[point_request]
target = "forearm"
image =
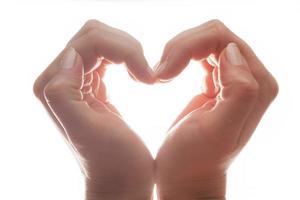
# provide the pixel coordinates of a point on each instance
(206, 189)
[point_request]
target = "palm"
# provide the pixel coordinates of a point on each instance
(199, 146)
(202, 142)
(108, 150)
(112, 152)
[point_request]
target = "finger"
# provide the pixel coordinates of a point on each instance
(211, 38)
(128, 51)
(64, 96)
(102, 69)
(210, 91)
(102, 27)
(92, 23)
(100, 93)
(39, 86)
(105, 29)
(66, 85)
(131, 75)
(212, 60)
(202, 41)
(239, 91)
(207, 66)
(197, 102)
(88, 79)
(102, 41)
(210, 84)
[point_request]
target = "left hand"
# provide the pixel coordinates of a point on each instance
(115, 162)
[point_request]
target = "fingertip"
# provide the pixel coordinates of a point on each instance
(139, 70)
(175, 63)
(160, 68)
(233, 54)
(149, 81)
(146, 76)
(232, 59)
(162, 74)
(155, 68)
(151, 77)
(143, 79)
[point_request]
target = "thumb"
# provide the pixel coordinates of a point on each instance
(239, 88)
(67, 83)
(63, 92)
(236, 78)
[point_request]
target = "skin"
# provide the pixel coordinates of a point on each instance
(215, 125)
(202, 142)
(115, 162)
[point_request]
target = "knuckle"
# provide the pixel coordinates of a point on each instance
(217, 27)
(88, 79)
(92, 24)
(138, 46)
(93, 35)
(272, 88)
(216, 23)
(245, 88)
(38, 88)
(169, 45)
(53, 90)
(87, 89)
(130, 53)
(135, 46)
(183, 48)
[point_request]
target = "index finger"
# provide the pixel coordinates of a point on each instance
(96, 41)
(103, 41)
(198, 43)
(212, 38)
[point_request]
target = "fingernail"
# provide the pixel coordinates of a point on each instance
(160, 68)
(233, 54)
(156, 66)
(68, 59)
(150, 75)
(150, 72)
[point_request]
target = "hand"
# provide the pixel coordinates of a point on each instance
(115, 162)
(216, 124)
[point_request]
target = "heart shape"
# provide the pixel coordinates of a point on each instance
(203, 140)
(161, 102)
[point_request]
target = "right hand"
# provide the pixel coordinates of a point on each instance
(215, 125)
(114, 160)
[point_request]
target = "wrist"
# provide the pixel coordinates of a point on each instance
(119, 196)
(115, 191)
(213, 188)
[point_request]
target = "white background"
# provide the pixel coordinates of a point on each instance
(36, 164)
